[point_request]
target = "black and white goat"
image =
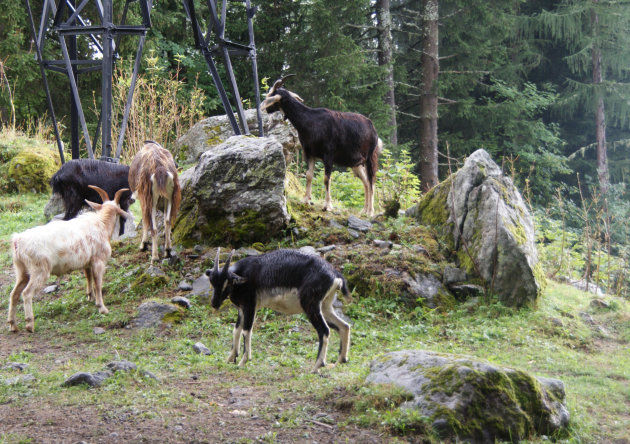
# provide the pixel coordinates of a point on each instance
(337, 138)
(287, 281)
(73, 179)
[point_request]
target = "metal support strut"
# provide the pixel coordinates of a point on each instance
(70, 21)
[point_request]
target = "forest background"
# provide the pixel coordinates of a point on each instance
(544, 86)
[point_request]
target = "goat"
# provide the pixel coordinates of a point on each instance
(337, 138)
(153, 179)
(60, 247)
(72, 182)
(287, 281)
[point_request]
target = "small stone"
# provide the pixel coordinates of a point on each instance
(419, 249)
(193, 256)
(123, 366)
(201, 287)
(50, 289)
(15, 366)
(185, 286)
(154, 271)
(93, 380)
(452, 275)
(359, 224)
(19, 379)
(326, 249)
(198, 249)
(200, 348)
(309, 250)
(354, 234)
(148, 374)
(557, 322)
(587, 318)
(599, 303)
(98, 330)
(383, 244)
(182, 301)
(332, 223)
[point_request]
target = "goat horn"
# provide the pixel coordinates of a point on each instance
(101, 192)
(278, 84)
(296, 97)
(216, 262)
(119, 195)
(227, 263)
(270, 101)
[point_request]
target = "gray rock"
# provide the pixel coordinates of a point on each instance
(148, 374)
(587, 318)
(50, 289)
(15, 366)
(201, 349)
(213, 131)
(332, 223)
(181, 301)
(427, 287)
(355, 223)
(599, 303)
(326, 249)
(309, 250)
(557, 322)
(466, 291)
(482, 216)
(98, 330)
(201, 287)
(152, 313)
(246, 251)
(154, 271)
(353, 233)
(121, 366)
(130, 228)
(235, 194)
(185, 286)
(588, 287)
(21, 379)
(91, 379)
(419, 249)
(474, 401)
(383, 244)
(452, 275)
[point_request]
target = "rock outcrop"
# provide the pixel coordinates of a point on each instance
(484, 221)
(214, 131)
(235, 194)
(474, 401)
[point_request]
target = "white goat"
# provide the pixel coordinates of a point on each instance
(60, 247)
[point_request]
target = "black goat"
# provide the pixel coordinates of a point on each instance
(72, 179)
(287, 281)
(337, 138)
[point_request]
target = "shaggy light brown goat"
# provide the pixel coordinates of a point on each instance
(153, 179)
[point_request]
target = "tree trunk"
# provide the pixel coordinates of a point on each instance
(384, 37)
(600, 116)
(428, 159)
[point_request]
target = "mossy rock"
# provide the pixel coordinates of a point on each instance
(149, 283)
(32, 168)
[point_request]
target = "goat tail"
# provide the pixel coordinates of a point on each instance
(345, 291)
(371, 163)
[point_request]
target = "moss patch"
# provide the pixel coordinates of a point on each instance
(146, 283)
(31, 169)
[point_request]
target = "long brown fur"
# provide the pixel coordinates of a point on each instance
(153, 160)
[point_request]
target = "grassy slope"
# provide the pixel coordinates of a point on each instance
(594, 364)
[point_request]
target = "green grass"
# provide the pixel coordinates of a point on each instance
(551, 340)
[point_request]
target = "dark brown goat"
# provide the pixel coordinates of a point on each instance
(153, 179)
(337, 138)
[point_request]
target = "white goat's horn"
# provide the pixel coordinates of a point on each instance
(101, 192)
(278, 84)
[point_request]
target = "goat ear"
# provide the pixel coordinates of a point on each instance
(270, 101)
(236, 279)
(296, 97)
(95, 206)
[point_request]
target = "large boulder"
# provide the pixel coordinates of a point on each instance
(474, 401)
(214, 131)
(235, 194)
(484, 221)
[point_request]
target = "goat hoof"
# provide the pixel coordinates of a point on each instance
(30, 328)
(168, 253)
(13, 327)
(103, 310)
(144, 246)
